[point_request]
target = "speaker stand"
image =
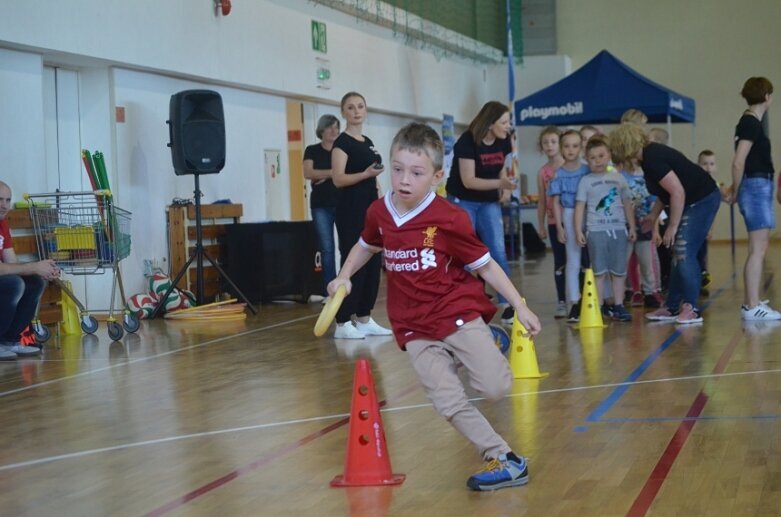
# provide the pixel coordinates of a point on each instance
(198, 255)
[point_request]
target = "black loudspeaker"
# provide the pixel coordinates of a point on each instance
(197, 131)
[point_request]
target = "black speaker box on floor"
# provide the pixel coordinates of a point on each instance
(197, 132)
(275, 260)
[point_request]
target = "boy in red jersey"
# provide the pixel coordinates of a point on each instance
(437, 309)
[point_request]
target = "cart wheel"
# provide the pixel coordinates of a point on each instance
(115, 331)
(131, 323)
(42, 333)
(89, 324)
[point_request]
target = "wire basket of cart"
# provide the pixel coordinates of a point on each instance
(85, 234)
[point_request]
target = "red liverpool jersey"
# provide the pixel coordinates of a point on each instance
(427, 254)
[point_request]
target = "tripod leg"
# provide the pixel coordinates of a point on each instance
(227, 278)
(173, 284)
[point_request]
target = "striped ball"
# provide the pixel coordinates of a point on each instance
(189, 299)
(158, 285)
(176, 300)
(141, 305)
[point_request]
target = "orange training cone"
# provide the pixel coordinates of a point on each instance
(523, 355)
(590, 311)
(367, 461)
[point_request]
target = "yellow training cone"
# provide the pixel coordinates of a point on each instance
(590, 311)
(70, 313)
(523, 356)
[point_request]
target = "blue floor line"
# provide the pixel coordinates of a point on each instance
(617, 393)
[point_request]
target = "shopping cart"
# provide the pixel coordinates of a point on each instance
(85, 234)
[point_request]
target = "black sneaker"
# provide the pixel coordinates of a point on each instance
(607, 310)
(574, 313)
(508, 314)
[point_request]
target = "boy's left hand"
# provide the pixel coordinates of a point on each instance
(632, 235)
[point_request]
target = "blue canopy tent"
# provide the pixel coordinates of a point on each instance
(599, 92)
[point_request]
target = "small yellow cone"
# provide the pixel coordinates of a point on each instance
(70, 314)
(590, 311)
(523, 355)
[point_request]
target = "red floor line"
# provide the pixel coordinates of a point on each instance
(250, 467)
(659, 474)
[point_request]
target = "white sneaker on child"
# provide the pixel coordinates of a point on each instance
(348, 331)
(371, 328)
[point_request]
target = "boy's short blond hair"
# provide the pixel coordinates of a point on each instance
(419, 137)
(626, 142)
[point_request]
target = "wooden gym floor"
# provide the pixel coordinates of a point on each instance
(249, 419)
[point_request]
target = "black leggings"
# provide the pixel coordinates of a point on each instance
(366, 281)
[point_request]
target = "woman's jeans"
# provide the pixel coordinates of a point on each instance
(324, 226)
(19, 296)
(685, 276)
(487, 221)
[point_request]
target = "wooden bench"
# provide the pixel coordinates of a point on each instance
(26, 248)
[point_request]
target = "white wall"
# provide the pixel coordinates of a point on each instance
(21, 121)
(260, 45)
(253, 122)
(256, 58)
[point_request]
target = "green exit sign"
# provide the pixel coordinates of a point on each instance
(318, 37)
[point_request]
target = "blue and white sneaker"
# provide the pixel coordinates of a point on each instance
(619, 313)
(500, 473)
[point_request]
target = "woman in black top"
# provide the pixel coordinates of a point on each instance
(752, 188)
(356, 164)
(692, 199)
(325, 195)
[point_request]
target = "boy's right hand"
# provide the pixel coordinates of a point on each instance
(334, 285)
(543, 232)
(580, 238)
(528, 319)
